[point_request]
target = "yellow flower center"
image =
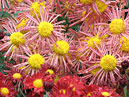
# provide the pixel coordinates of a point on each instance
(19, 1)
(17, 38)
(16, 75)
(116, 26)
(22, 24)
(92, 40)
(86, 1)
(101, 6)
(45, 29)
(38, 83)
(50, 71)
(108, 63)
(95, 70)
(62, 90)
(4, 91)
(61, 48)
(35, 61)
(36, 7)
(105, 94)
(125, 45)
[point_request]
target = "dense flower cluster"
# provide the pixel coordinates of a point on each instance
(64, 48)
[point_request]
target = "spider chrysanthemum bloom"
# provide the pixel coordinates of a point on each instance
(32, 62)
(60, 57)
(89, 11)
(14, 42)
(106, 70)
(7, 89)
(118, 26)
(32, 7)
(46, 28)
(87, 43)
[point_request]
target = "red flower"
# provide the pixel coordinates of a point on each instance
(36, 81)
(7, 89)
(68, 86)
(96, 91)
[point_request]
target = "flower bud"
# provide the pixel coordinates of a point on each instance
(48, 85)
(125, 64)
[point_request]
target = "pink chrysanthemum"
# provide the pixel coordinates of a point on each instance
(104, 69)
(44, 30)
(33, 61)
(15, 42)
(60, 56)
(119, 24)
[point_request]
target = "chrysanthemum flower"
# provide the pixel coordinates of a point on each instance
(97, 91)
(60, 57)
(86, 43)
(15, 42)
(118, 26)
(36, 82)
(7, 89)
(31, 6)
(63, 89)
(45, 30)
(104, 69)
(89, 11)
(33, 61)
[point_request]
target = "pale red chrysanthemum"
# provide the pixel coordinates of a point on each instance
(87, 42)
(33, 5)
(46, 29)
(33, 60)
(60, 56)
(15, 41)
(89, 11)
(7, 89)
(104, 69)
(118, 26)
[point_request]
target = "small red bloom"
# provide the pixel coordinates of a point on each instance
(7, 89)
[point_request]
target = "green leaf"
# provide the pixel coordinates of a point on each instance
(6, 14)
(1, 14)
(126, 91)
